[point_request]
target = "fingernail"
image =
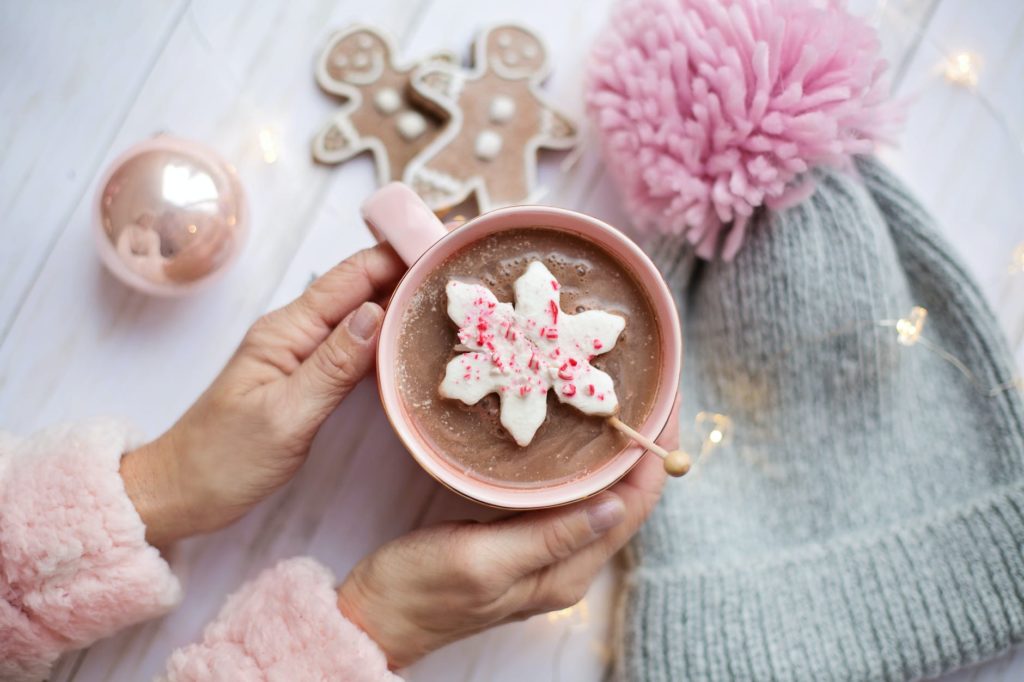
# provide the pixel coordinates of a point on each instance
(606, 514)
(364, 321)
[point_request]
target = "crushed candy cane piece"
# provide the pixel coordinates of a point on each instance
(533, 344)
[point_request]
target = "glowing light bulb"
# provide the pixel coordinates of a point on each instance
(1017, 260)
(579, 609)
(713, 428)
(962, 69)
(268, 145)
(908, 329)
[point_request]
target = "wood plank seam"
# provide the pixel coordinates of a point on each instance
(89, 177)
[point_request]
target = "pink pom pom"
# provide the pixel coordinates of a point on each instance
(708, 109)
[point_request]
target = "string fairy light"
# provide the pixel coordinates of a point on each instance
(962, 69)
(714, 430)
(909, 333)
(711, 431)
(908, 329)
(268, 145)
(579, 612)
(578, 618)
(1017, 383)
(1017, 260)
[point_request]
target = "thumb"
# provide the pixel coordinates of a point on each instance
(344, 357)
(531, 541)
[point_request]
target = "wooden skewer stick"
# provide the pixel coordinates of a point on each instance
(677, 462)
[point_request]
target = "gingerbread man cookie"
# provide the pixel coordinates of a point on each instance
(497, 119)
(358, 65)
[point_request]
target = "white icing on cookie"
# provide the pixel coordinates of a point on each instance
(387, 101)
(503, 108)
(342, 138)
(521, 352)
(431, 184)
(487, 146)
(411, 125)
(443, 86)
(338, 141)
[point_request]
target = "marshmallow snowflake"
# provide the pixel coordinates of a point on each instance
(520, 352)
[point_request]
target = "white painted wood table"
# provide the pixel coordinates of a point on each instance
(82, 81)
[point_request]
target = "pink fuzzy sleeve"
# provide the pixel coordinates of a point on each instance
(74, 563)
(284, 625)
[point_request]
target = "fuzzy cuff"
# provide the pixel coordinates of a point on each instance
(74, 562)
(284, 625)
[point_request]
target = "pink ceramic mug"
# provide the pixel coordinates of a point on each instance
(396, 214)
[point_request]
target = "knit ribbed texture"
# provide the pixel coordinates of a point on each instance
(867, 520)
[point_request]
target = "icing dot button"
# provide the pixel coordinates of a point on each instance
(387, 101)
(503, 108)
(488, 145)
(411, 125)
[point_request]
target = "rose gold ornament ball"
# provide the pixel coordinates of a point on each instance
(171, 213)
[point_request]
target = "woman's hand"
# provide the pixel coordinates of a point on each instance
(446, 582)
(252, 428)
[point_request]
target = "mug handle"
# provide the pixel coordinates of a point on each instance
(396, 214)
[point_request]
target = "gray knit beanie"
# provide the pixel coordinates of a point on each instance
(866, 521)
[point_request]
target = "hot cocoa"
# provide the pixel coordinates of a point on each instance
(568, 443)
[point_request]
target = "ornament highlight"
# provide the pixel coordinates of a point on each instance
(170, 214)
